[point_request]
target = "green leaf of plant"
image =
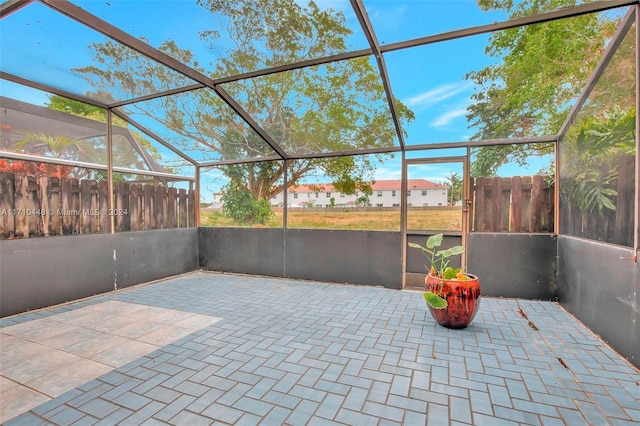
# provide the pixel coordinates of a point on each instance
(434, 241)
(435, 301)
(456, 250)
(449, 273)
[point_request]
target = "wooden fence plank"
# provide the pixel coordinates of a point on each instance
(182, 215)
(7, 205)
(75, 206)
(496, 204)
(149, 207)
(516, 206)
(536, 203)
(161, 207)
(193, 205)
(135, 206)
(65, 185)
(21, 204)
(45, 206)
(478, 206)
(85, 195)
(171, 208)
(33, 207)
(625, 201)
(123, 221)
(55, 201)
(103, 205)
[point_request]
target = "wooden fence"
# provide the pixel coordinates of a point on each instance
(613, 226)
(43, 205)
(515, 204)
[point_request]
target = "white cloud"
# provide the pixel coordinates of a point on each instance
(431, 97)
(388, 17)
(447, 117)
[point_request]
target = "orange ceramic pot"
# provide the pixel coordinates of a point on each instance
(463, 299)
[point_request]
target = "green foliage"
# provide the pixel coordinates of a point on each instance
(363, 201)
(74, 107)
(435, 301)
(124, 153)
(590, 155)
(243, 208)
(334, 107)
(454, 181)
(542, 68)
(59, 146)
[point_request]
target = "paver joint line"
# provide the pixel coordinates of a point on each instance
(208, 348)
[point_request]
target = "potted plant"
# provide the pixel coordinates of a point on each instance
(452, 295)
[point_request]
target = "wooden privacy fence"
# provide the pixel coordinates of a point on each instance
(613, 226)
(44, 205)
(514, 204)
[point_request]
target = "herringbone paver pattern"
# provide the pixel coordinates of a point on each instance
(302, 353)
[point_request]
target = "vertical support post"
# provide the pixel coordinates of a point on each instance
(285, 192)
(466, 206)
(196, 203)
(110, 171)
(403, 217)
(636, 225)
(556, 188)
(285, 209)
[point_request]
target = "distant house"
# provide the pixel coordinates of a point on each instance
(386, 193)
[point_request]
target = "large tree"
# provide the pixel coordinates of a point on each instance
(334, 107)
(541, 71)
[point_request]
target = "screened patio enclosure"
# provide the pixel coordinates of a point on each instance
(316, 140)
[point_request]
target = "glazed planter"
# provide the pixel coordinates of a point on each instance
(463, 299)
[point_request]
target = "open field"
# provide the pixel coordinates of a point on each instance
(448, 218)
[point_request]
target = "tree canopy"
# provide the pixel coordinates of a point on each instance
(334, 107)
(542, 70)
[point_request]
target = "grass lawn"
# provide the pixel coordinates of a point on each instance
(439, 218)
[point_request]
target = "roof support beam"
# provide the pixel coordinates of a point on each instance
(10, 6)
(153, 136)
(512, 23)
(249, 120)
(365, 23)
(93, 166)
(51, 89)
(74, 12)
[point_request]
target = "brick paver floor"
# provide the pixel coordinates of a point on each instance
(208, 348)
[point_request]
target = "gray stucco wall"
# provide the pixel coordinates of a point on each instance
(602, 289)
(514, 265)
(355, 257)
(39, 272)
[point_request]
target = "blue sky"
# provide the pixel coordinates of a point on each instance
(430, 79)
